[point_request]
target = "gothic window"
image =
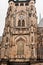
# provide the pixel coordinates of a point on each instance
(21, 4)
(26, 4)
(40, 51)
(19, 23)
(16, 4)
(20, 48)
(23, 23)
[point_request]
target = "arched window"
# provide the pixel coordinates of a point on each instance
(19, 23)
(23, 23)
(40, 51)
(20, 48)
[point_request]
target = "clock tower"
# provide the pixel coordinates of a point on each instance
(19, 41)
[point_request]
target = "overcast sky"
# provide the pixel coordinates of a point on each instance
(3, 10)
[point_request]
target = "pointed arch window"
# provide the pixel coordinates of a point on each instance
(21, 23)
(20, 48)
(40, 51)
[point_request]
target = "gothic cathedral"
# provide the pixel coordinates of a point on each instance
(19, 40)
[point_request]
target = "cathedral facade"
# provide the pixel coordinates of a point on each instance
(22, 40)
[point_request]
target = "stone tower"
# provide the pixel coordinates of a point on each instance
(19, 41)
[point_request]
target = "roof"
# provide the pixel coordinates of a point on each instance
(16, 1)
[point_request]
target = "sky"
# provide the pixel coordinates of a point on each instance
(3, 11)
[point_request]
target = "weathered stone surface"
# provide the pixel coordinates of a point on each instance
(22, 39)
